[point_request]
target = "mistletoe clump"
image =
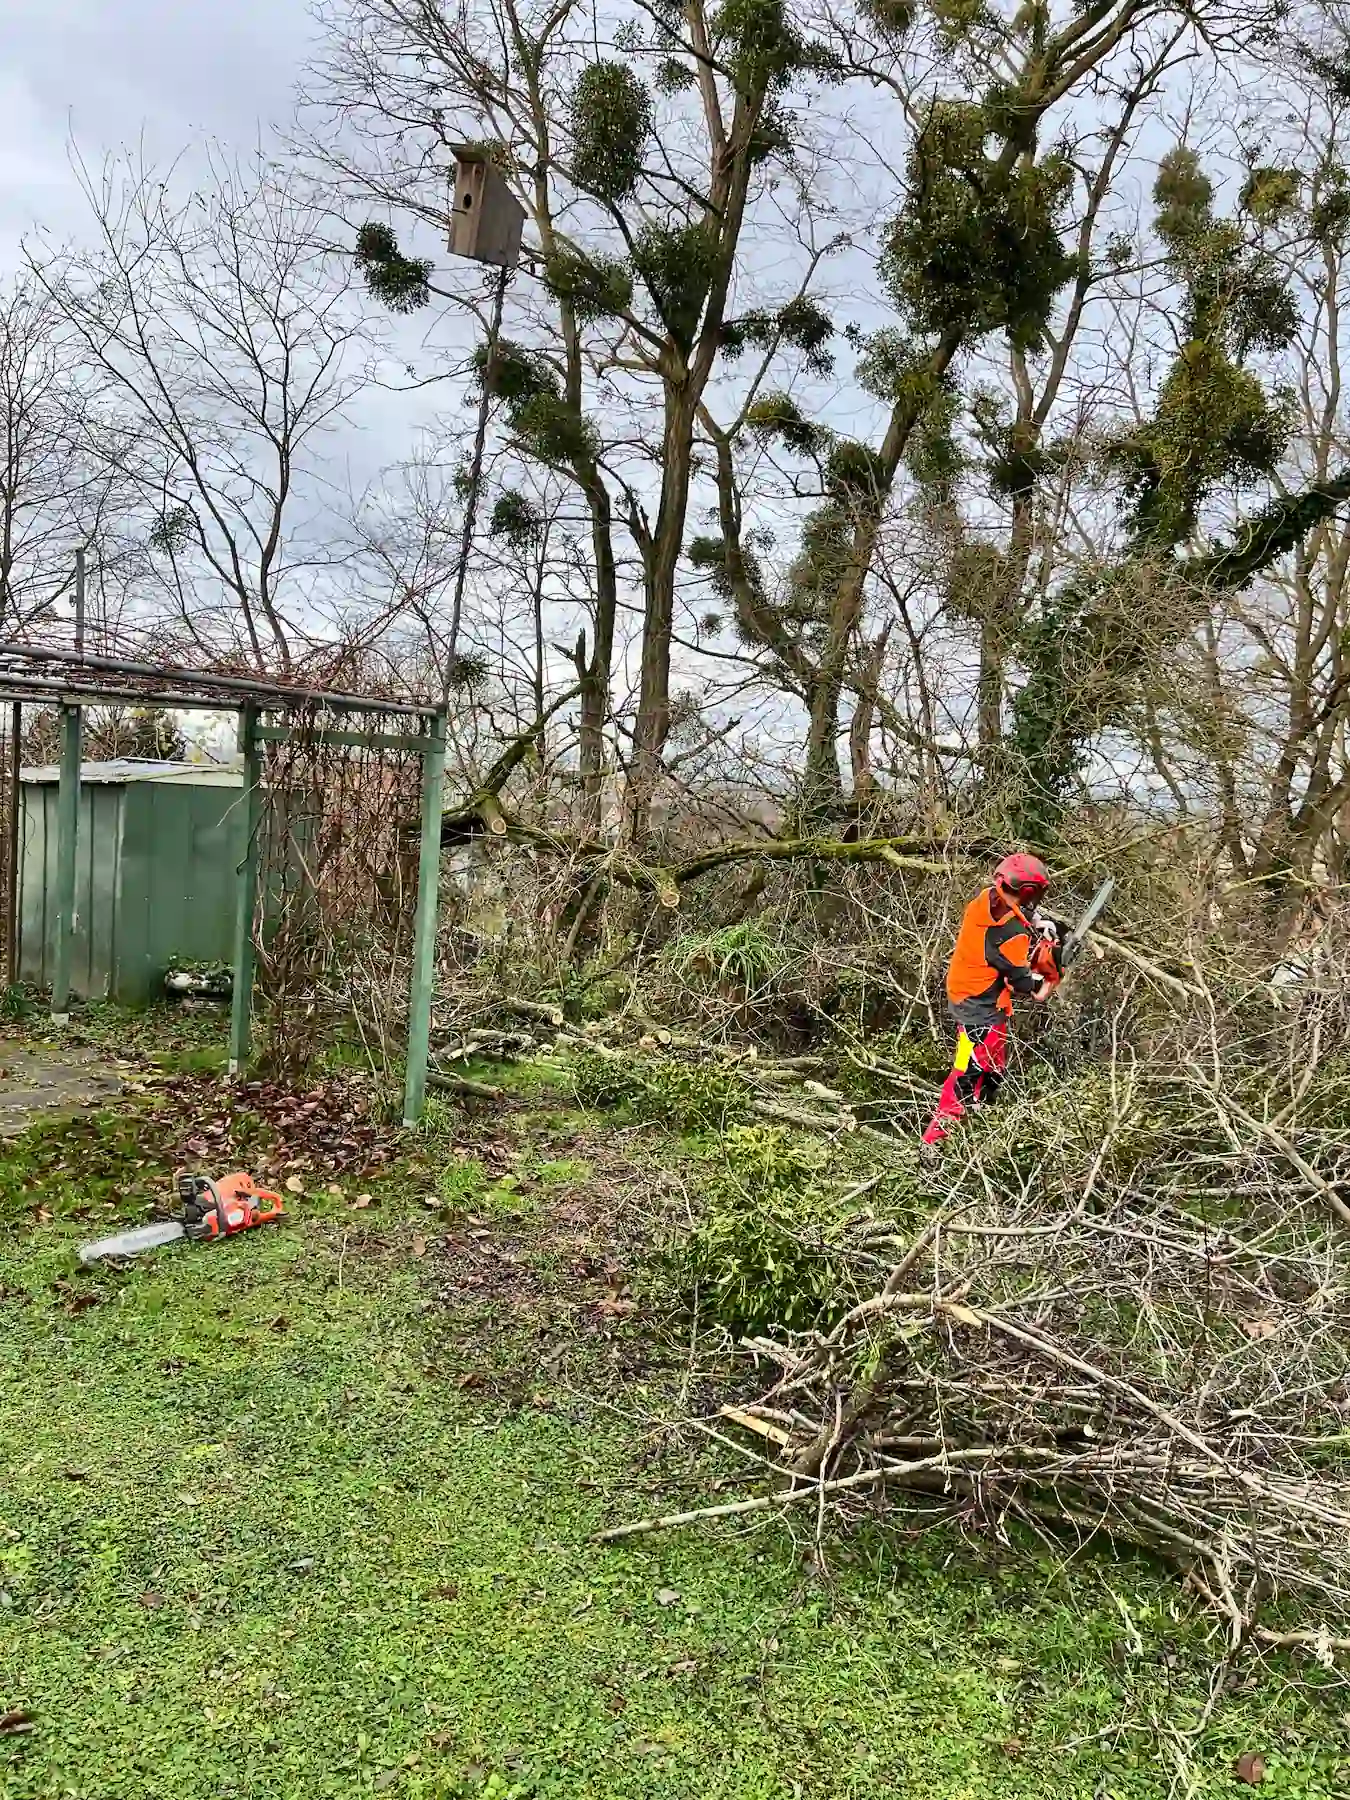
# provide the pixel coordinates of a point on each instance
(802, 323)
(536, 410)
(978, 243)
(611, 118)
(516, 520)
(596, 287)
(1214, 422)
(778, 417)
(401, 283)
(677, 262)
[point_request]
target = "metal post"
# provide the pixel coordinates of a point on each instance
(475, 487)
(424, 927)
(79, 601)
(12, 868)
(241, 997)
(67, 829)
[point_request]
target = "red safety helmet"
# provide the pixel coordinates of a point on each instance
(1025, 878)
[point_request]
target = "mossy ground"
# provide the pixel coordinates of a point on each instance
(310, 1514)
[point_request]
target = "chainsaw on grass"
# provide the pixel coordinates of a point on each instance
(1052, 956)
(211, 1209)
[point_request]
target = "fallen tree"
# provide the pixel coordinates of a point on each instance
(484, 811)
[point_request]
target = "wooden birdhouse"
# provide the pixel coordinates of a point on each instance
(486, 219)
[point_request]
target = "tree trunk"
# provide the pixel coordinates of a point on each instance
(591, 738)
(596, 671)
(864, 714)
(822, 783)
(823, 786)
(540, 689)
(652, 724)
(989, 693)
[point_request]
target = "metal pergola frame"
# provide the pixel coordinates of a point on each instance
(72, 680)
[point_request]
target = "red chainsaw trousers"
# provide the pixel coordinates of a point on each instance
(976, 1076)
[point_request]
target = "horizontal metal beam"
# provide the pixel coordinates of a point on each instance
(44, 692)
(50, 691)
(356, 740)
(266, 695)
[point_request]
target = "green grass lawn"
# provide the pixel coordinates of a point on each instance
(304, 1514)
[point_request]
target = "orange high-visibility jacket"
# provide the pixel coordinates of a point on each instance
(991, 960)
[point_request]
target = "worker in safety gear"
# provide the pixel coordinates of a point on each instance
(1006, 947)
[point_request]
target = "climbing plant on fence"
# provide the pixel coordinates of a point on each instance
(337, 879)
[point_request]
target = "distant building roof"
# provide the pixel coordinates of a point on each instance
(124, 769)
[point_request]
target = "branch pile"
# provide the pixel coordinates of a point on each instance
(1097, 1350)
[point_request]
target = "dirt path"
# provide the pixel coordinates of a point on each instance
(41, 1082)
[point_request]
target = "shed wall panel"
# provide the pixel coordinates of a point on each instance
(154, 877)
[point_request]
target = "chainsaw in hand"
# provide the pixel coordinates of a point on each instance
(1052, 955)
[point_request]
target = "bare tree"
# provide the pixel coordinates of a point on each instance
(54, 493)
(225, 345)
(529, 578)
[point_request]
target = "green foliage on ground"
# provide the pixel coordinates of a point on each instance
(661, 1090)
(766, 1250)
(1053, 1124)
(17, 1003)
(166, 1033)
(77, 1167)
(739, 956)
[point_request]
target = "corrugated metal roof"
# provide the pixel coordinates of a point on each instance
(124, 769)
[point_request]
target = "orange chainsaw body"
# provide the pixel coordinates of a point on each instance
(1045, 962)
(221, 1207)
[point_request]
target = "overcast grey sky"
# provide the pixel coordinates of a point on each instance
(108, 74)
(107, 71)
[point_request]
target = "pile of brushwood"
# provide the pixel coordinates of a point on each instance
(1118, 1310)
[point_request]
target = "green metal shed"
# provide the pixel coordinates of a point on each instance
(125, 901)
(157, 855)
